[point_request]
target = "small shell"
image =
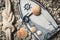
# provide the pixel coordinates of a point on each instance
(39, 33)
(33, 29)
(36, 10)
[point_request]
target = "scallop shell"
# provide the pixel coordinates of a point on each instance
(22, 33)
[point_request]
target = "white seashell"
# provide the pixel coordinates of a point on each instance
(39, 33)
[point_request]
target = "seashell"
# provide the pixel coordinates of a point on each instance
(36, 10)
(22, 33)
(39, 33)
(33, 29)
